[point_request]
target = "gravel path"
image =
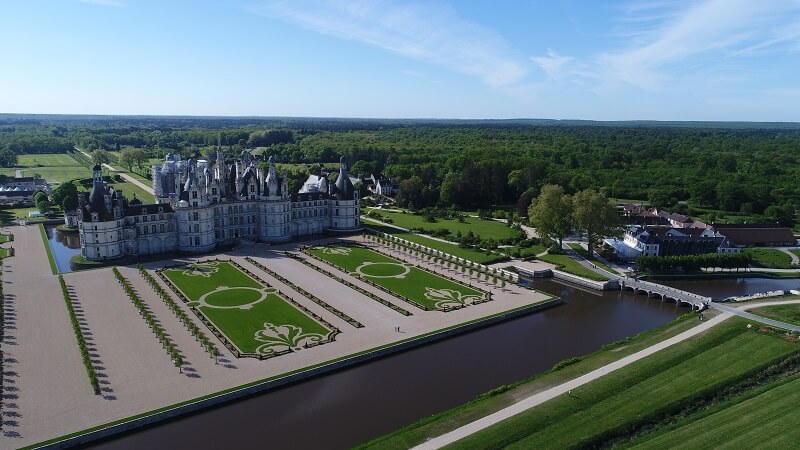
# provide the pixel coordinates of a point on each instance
(564, 388)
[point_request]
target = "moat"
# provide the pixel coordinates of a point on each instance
(373, 399)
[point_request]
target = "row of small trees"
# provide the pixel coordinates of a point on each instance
(157, 329)
(76, 328)
(441, 258)
(198, 334)
(306, 294)
(693, 263)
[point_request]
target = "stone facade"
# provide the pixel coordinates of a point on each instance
(199, 205)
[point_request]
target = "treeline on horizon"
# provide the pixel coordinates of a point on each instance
(692, 167)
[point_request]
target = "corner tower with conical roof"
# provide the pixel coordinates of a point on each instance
(345, 210)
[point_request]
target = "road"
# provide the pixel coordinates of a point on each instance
(541, 397)
(122, 173)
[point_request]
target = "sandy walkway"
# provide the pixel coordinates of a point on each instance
(49, 394)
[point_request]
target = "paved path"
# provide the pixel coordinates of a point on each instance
(541, 397)
(122, 173)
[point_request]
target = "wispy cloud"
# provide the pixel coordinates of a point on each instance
(427, 31)
(553, 64)
(669, 35)
(114, 3)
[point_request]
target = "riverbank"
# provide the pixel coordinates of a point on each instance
(547, 423)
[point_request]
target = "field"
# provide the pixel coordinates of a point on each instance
(484, 228)
(687, 374)
(255, 319)
(53, 167)
(470, 254)
(769, 419)
(784, 313)
(423, 288)
(569, 265)
(769, 257)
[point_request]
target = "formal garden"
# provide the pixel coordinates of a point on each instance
(426, 290)
(257, 319)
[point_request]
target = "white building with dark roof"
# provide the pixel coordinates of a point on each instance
(199, 206)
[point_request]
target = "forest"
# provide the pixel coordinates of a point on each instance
(710, 170)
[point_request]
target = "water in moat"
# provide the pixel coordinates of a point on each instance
(64, 246)
(352, 406)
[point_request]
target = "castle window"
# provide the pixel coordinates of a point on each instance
(194, 204)
(153, 229)
(213, 191)
(136, 219)
(196, 240)
(169, 227)
(153, 217)
(160, 209)
(196, 228)
(252, 188)
(160, 217)
(144, 218)
(161, 228)
(196, 215)
(194, 194)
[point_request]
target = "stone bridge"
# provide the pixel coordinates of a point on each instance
(665, 292)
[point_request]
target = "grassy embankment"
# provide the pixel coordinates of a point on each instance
(50, 258)
(585, 254)
(504, 396)
(569, 265)
(783, 313)
(770, 258)
(686, 376)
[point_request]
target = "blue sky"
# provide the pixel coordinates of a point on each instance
(603, 60)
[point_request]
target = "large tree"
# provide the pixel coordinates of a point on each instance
(595, 216)
(66, 196)
(551, 213)
(130, 157)
(100, 156)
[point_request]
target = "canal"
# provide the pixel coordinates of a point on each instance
(64, 246)
(355, 405)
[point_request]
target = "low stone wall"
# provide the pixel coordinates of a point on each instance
(610, 285)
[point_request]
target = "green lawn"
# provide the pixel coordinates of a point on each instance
(270, 325)
(53, 167)
(769, 419)
(584, 253)
(484, 228)
(783, 313)
(569, 265)
(504, 396)
(769, 257)
(648, 390)
(796, 251)
(5, 238)
(50, 258)
(470, 254)
(424, 288)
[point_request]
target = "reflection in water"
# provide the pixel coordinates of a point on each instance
(348, 407)
(724, 288)
(64, 246)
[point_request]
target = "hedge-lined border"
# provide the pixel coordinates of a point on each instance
(76, 328)
(306, 294)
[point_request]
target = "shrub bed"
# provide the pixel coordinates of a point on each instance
(76, 328)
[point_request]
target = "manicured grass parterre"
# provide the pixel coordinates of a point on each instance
(569, 265)
(470, 254)
(423, 288)
(484, 228)
(254, 318)
(770, 257)
(614, 406)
